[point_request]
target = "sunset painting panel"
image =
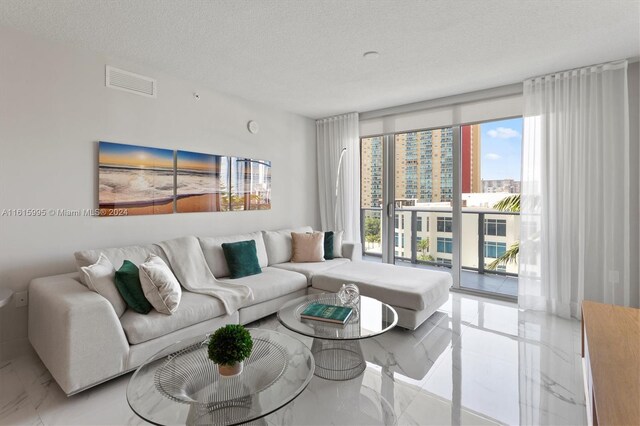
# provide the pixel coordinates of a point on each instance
(250, 185)
(202, 182)
(135, 179)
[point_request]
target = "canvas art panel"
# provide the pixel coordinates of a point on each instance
(250, 184)
(202, 182)
(134, 180)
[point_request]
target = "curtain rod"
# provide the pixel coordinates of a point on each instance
(479, 95)
(613, 63)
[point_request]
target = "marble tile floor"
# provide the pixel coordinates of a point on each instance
(476, 361)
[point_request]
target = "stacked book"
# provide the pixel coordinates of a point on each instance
(327, 313)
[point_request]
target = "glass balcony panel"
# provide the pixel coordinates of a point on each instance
(372, 232)
(434, 245)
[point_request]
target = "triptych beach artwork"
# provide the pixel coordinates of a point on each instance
(142, 180)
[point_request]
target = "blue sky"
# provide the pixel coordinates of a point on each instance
(501, 149)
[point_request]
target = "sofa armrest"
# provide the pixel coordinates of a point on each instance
(75, 331)
(352, 251)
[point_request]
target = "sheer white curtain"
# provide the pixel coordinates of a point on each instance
(339, 213)
(575, 208)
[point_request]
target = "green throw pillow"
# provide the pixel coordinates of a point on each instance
(128, 284)
(328, 245)
(242, 258)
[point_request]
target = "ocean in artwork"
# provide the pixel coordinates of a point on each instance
(202, 182)
(133, 179)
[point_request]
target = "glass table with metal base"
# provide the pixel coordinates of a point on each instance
(336, 348)
(180, 385)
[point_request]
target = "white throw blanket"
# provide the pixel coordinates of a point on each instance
(188, 263)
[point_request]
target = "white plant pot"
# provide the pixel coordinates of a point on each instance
(232, 370)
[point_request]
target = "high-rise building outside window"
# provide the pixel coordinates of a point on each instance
(371, 172)
(494, 249)
(497, 227)
(444, 224)
(445, 245)
(424, 166)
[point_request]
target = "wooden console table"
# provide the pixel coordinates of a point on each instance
(611, 361)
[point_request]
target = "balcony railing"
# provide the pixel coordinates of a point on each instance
(430, 221)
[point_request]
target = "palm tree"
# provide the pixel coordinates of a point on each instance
(423, 246)
(507, 204)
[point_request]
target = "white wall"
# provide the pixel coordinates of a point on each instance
(54, 107)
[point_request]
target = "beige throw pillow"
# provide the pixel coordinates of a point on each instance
(160, 286)
(307, 247)
(101, 278)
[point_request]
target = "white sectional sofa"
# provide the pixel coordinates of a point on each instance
(82, 341)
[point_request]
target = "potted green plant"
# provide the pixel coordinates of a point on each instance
(228, 347)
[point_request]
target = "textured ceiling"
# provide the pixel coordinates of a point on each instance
(305, 56)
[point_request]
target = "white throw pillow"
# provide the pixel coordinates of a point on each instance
(337, 243)
(278, 244)
(160, 286)
(101, 278)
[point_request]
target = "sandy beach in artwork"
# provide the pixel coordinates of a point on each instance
(126, 209)
(200, 182)
(199, 203)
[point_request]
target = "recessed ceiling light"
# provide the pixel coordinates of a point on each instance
(371, 55)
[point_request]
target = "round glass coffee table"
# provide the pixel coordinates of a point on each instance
(180, 385)
(336, 348)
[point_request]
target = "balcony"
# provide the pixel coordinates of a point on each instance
(423, 239)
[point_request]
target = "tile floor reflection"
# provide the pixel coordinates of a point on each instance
(476, 361)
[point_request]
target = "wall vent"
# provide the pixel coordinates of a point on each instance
(130, 82)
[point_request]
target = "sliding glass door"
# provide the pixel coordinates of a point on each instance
(429, 199)
(423, 183)
(371, 186)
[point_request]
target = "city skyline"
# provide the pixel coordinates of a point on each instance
(424, 161)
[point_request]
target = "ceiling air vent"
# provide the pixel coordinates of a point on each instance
(130, 82)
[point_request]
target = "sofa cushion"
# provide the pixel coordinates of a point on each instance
(242, 258)
(117, 255)
(160, 286)
(337, 244)
(307, 247)
(193, 309)
(100, 277)
(278, 244)
(214, 255)
(130, 288)
(311, 268)
(408, 288)
(271, 283)
(328, 245)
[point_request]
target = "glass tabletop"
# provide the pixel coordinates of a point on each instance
(370, 318)
(180, 385)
